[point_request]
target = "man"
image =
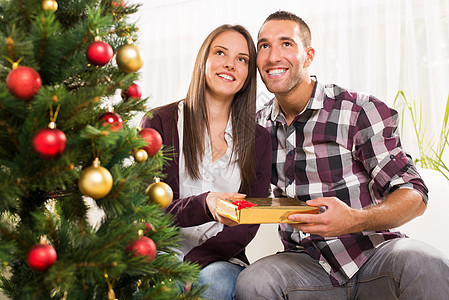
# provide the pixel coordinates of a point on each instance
(340, 151)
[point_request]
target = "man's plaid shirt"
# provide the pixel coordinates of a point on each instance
(345, 145)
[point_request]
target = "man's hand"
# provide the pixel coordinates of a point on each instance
(397, 209)
(337, 219)
(211, 201)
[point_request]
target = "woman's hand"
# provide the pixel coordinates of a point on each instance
(211, 201)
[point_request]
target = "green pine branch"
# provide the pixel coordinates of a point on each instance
(40, 197)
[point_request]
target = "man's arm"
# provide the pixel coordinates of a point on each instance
(377, 146)
(397, 209)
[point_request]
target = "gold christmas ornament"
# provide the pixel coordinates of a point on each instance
(140, 155)
(129, 58)
(159, 192)
(95, 181)
(50, 5)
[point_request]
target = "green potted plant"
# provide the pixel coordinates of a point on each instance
(431, 150)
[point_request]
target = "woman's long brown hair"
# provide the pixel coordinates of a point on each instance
(243, 110)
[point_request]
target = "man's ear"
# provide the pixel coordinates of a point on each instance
(310, 54)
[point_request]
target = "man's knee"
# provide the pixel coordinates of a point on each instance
(423, 270)
(418, 255)
(412, 263)
(257, 281)
(251, 277)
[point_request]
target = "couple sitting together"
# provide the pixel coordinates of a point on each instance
(334, 148)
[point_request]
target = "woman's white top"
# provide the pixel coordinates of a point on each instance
(222, 175)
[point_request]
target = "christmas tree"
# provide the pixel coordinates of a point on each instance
(65, 142)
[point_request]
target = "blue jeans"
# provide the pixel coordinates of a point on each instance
(220, 277)
(398, 269)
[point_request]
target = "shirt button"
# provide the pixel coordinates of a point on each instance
(311, 249)
(391, 156)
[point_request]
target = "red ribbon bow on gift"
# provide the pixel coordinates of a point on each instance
(243, 204)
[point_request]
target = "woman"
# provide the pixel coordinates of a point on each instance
(217, 147)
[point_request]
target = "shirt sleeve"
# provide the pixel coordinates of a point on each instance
(227, 244)
(190, 211)
(378, 148)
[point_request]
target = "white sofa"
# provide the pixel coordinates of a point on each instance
(432, 227)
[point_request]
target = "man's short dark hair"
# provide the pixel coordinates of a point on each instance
(305, 34)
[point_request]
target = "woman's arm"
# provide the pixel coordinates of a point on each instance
(227, 244)
(231, 241)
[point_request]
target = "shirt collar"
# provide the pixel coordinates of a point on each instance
(275, 110)
(317, 98)
(228, 130)
(315, 102)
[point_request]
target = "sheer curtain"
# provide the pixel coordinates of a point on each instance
(377, 46)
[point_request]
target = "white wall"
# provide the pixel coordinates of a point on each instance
(378, 47)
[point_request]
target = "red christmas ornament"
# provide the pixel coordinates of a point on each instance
(41, 257)
(134, 91)
(49, 142)
(154, 140)
(116, 3)
(143, 246)
(23, 82)
(99, 53)
(113, 119)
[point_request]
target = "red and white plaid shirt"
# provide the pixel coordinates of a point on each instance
(345, 145)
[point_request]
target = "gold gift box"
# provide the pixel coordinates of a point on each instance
(268, 210)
